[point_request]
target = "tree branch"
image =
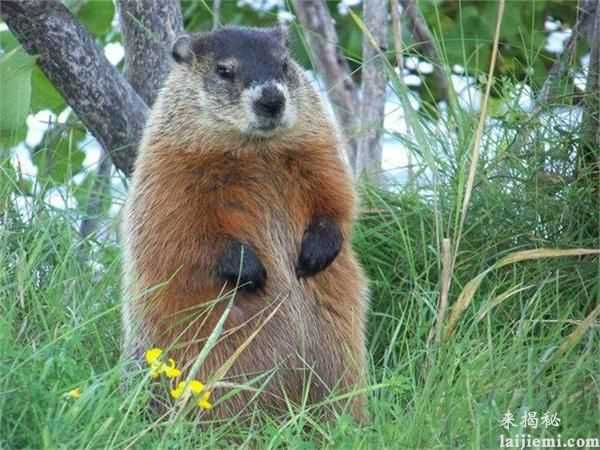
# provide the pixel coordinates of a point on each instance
(149, 28)
(330, 64)
(100, 190)
(526, 135)
(397, 33)
(374, 81)
(100, 96)
(591, 106)
(560, 67)
(425, 41)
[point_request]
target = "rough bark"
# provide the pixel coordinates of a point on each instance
(374, 81)
(331, 65)
(100, 96)
(590, 149)
(425, 41)
(149, 28)
(583, 26)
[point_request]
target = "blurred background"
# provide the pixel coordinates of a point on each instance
(472, 128)
(52, 154)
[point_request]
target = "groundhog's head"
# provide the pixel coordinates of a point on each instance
(239, 79)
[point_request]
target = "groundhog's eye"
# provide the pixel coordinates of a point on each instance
(285, 65)
(225, 72)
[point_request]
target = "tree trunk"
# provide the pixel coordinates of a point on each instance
(374, 81)
(331, 65)
(361, 120)
(589, 157)
(424, 40)
(149, 29)
(591, 119)
(100, 96)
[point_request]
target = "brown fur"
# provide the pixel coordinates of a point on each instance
(193, 188)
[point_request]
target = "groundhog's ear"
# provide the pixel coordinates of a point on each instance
(282, 34)
(182, 50)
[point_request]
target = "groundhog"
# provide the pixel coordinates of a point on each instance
(240, 191)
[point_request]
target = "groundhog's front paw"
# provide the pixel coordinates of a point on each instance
(321, 244)
(240, 264)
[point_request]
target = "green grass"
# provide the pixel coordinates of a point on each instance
(60, 325)
(60, 328)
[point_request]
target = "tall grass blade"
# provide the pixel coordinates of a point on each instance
(466, 296)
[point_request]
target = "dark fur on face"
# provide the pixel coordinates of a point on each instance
(236, 65)
(262, 57)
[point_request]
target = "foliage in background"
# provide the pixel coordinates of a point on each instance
(60, 329)
(59, 295)
(463, 29)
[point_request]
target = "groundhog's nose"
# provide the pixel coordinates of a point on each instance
(270, 103)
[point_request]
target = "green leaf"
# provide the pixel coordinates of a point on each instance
(59, 161)
(83, 191)
(496, 107)
(8, 177)
(7, 41)
(15, 90)
(43, 93)
(10, 138)
(97, 16)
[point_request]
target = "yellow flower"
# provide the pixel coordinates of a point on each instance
(194, 386)
(157, 367)
(170, 370)
(197, 389)
(74, 393)
(152, 355)
(203, 401)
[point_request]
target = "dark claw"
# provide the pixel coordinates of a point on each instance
(321, 244)
(252, 275)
